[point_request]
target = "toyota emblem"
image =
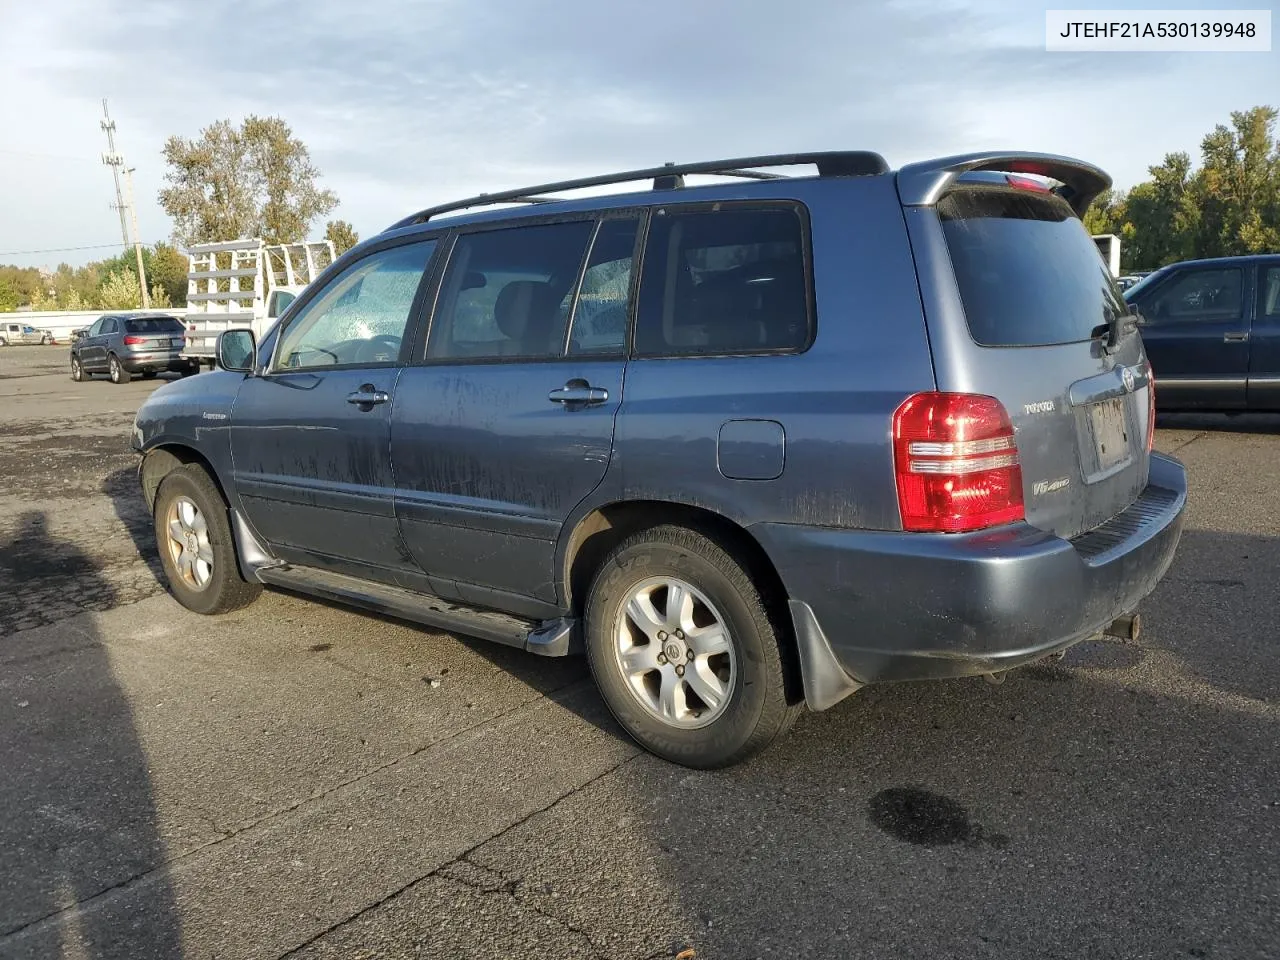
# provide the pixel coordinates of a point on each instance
(1127, 377)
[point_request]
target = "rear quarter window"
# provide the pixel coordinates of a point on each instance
(1028, 272)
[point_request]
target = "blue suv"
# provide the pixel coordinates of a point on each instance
(749, 446)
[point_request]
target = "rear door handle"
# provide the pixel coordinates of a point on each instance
(1235, 337)
(578, 392)
(367, 396)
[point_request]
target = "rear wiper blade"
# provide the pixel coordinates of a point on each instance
(1114, 330)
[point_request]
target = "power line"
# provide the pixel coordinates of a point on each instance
(92, 246)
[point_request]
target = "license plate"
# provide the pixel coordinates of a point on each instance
(1110, 432)
(163, 344)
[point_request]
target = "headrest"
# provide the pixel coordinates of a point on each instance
(524, 306)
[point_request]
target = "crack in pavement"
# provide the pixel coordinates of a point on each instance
(465, 857)
(510, 887)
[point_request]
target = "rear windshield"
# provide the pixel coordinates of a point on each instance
(153, 325)
(1029, 274)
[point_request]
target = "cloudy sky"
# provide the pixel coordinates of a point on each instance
(408, 102)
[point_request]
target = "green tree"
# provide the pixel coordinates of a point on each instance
(8, 296)
(120, 291)
(160, 297)
(255, 180)
(342, 235)
(1239, 183)
(1160, 219)
(167, 269)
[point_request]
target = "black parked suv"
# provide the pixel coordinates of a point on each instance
(122, 345)
(750, 446)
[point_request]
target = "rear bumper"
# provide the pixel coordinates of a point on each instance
(160, 362)
(895, 606)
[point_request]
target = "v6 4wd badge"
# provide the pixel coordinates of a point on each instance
(1041, 487)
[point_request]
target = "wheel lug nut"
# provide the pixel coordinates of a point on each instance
(680, 671)
(662, 635)
(662, 658)
(690, 654)
(680, 634)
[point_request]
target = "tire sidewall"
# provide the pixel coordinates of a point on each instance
(718, 742)
(182, 483)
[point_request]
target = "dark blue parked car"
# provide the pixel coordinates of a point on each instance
(749, 446)
(1212, 330)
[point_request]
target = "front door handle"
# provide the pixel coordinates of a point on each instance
(578, 392)
(1235, 337)
(367, 396)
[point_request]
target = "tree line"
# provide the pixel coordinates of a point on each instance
(231, 182)
(1229, 205)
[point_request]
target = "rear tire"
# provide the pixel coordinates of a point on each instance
(654, 665)
(197, 551)
(77, 371)
(117, 371)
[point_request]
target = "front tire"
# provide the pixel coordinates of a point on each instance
(197, 551)
(117, 371)
(77, 371)
(684, 651)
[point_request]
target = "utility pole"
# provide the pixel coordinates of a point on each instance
(116, 162)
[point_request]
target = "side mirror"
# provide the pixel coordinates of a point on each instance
(236, 351)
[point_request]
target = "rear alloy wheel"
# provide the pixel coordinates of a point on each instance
(118, 373)
(197, 551)
(77, 371)
(684, 652)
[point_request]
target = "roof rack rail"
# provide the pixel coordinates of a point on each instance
(832, 163)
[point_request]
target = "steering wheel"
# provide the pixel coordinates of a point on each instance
(366, 352)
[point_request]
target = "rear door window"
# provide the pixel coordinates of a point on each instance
(599, 323)
(1197, 295)
(725, 281)
(1028, 272)
(507, 293)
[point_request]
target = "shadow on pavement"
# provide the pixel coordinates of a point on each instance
(131, 510)
(79, 817)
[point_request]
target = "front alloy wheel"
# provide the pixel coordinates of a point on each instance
(189, 547)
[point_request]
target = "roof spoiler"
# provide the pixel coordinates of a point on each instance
(924, 183)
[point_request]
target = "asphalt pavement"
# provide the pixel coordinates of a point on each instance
(300, 780)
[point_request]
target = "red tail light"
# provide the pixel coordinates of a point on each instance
(1026, 183)
(135, 341)
(1151, 408)
(956, 463)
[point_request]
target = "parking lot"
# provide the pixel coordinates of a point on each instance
(300, 780)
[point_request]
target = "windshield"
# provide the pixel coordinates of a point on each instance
(1029, 274)
(153, 325)
(1141, 285)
